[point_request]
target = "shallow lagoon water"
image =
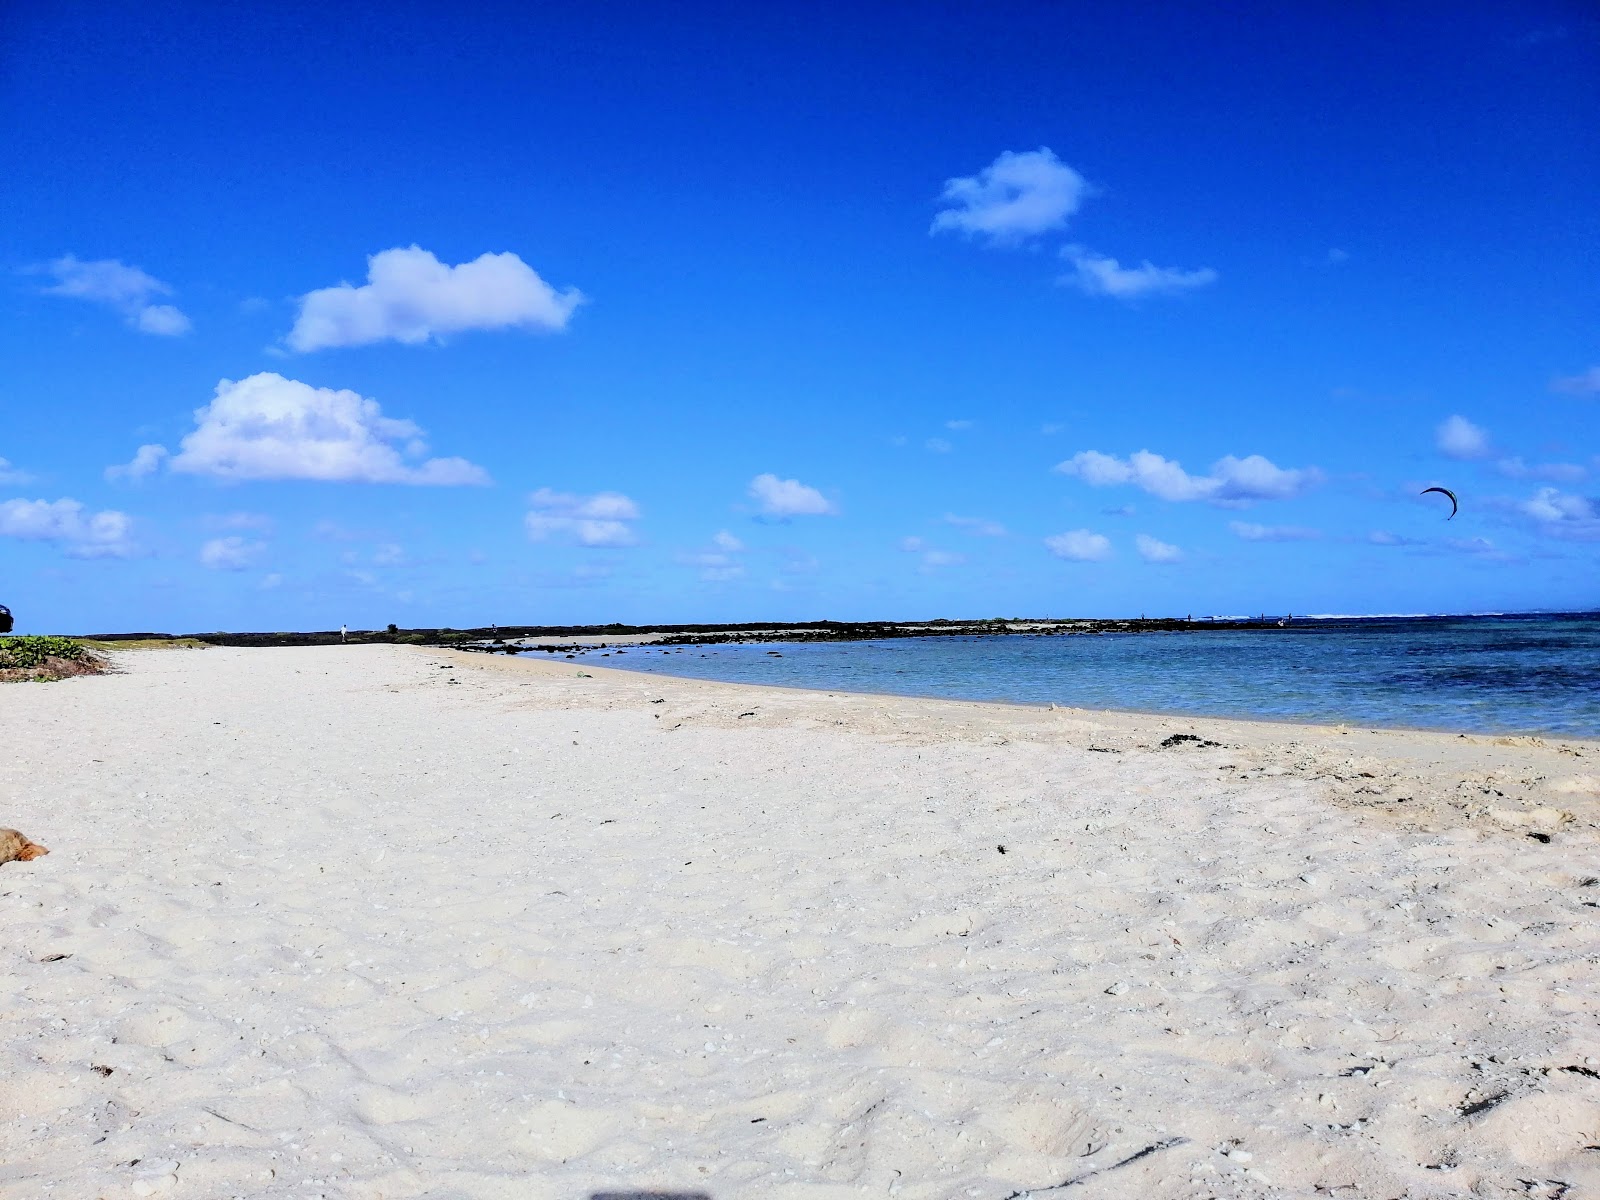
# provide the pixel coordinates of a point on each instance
(1502, 674)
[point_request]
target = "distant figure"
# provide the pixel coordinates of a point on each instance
(342, 631)
(5, 619)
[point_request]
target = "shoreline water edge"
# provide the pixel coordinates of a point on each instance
(381, 922)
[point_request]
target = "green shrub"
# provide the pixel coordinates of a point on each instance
(32, 651)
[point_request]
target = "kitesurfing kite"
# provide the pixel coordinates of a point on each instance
(1454, 507)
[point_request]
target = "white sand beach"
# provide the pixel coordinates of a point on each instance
(376, 922)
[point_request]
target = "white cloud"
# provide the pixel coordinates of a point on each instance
(146, 461)
(410, 296)
(1273, 533)
(1154, 551)
(1481, 547)
(1080, 545)
(269, 427)
(976, 526)
(81, 534)
(230, 553)
(959, 425)
(932, 558)
(789, 498)
(600, 520)
(11, 474)
(1564, 514)
(1382, 537)
(126, 289)
(1515, 468)
(719, 564)
(1457, 437)
(937, 446)
(1018, 195)
(1099, 275)
(1232, 482)
(240, 520)
(1584, 383)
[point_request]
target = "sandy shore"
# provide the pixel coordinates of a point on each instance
(378, 922)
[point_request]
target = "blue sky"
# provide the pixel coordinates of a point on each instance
(449, 315)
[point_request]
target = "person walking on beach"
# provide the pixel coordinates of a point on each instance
(342, 630)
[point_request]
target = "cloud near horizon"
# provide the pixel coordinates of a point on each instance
(232, 553)
(1100, 275)
(127, 290)
(1273, 533)
(1080, 545)
(412, 297)
(1152, 550)
(602, 520)
(267, 427)
(80, 533)
(1233, 482)
(1020, 194)
(789, 498)
(1563, 514)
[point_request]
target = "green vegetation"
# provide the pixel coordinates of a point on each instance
(27, 652)
(163, 643)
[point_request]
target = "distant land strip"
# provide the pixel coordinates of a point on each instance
(515, 638)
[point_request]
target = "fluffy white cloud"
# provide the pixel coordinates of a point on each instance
(410, 296)
(1232, 482)
(1273, 533)
(1457, 437)
(11, 474)
(1584, 383)
(1080, 545)
(146, 461)
(726, 542)
(1099, 275)
(789, 498)
(600, 520)
(1018, 195)
(126, 289)
(82, 534)
(230, 553)
(976, 526)
(1564, 514)
(1154, 551)
(269, 427)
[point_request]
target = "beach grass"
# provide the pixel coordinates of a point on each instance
(171, 643)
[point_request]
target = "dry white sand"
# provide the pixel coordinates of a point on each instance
(342, 922)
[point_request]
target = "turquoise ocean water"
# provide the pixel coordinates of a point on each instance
(1535, 674)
